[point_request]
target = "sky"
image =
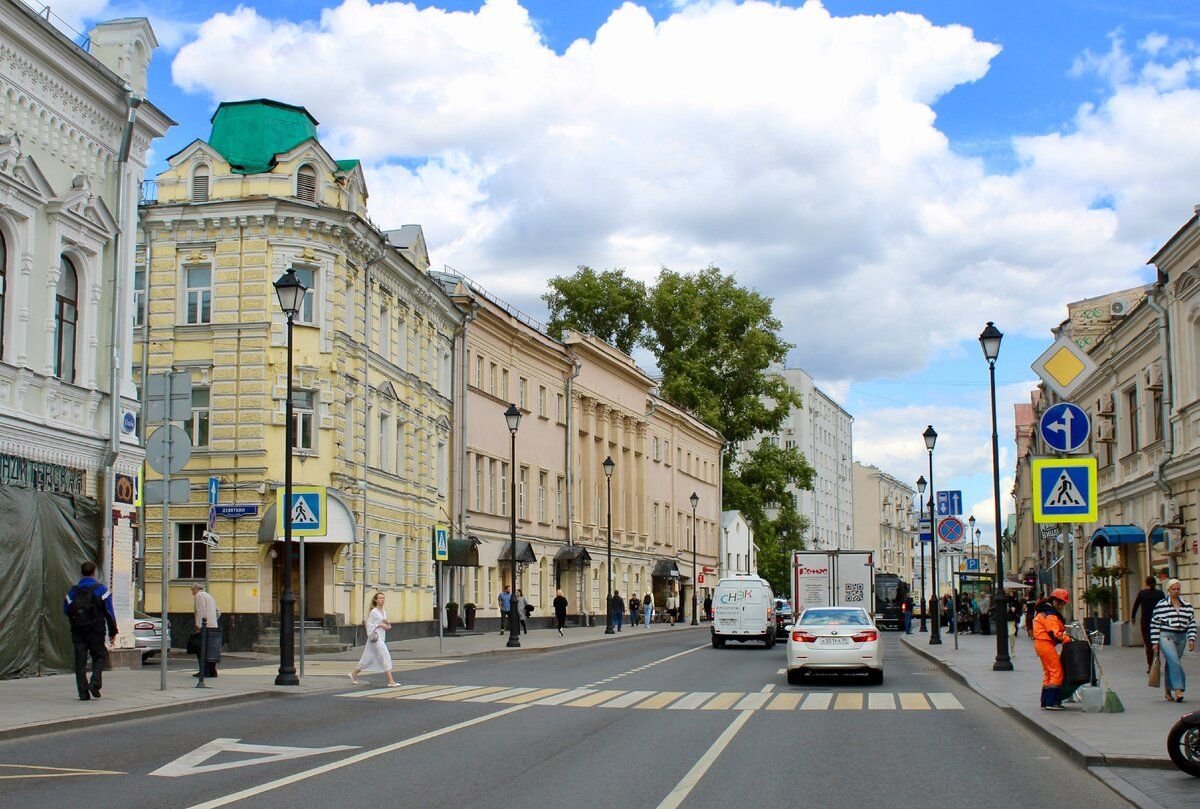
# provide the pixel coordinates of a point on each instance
(893, 174)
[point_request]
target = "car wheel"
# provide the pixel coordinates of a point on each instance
(769, 639)
(718, 642)
(795, 676)
(875, 676)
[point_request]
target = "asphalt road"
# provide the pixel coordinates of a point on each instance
(653, 721)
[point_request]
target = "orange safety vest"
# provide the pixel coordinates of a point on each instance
(1049, 627)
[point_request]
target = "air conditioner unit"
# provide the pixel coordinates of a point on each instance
(1104, 405)
(1118, 309)
(1152, 377)
(1106, 433)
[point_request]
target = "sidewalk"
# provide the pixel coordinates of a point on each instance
(1135, 738)
(38, 705)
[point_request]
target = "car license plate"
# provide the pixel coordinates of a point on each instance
(834, 642)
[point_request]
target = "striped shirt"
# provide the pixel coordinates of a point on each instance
(1172, 619)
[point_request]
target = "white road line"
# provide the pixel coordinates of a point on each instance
(752, 702)
(684, 788)
(880, 702)
(512, 692)
(944, 701)
(648, 665)
(629, 699)
(817, 701)
(566, 696)
(693, 701)
(350, 760)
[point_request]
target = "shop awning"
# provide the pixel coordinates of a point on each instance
(464, 552)
(1118, 535)
(341, 528)
(572, 553)
(1157, 534)
(525, 554)
(665, 569)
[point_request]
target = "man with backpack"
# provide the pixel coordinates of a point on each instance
(88, 607)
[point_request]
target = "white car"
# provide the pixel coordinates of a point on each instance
(834, 639)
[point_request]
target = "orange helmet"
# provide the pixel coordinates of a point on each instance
(1062, 595)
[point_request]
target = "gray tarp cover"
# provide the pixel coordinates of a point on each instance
(44, 538)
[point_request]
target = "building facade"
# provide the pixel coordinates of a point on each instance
(75, 130)
(741, 557)
(883, 519)
(372, 385)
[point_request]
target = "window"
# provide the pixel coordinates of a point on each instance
(1131, 407)
(197, 426)
(443, 468)
(1156, 416)
(657, 448)
(522, 388)
(504, 489)
(543, 483)
(504, 384)
(491, 487)
(304, 434)
(191, 554)
(306, 184)
(200, 183)
(558, 408)
(522, 492)
(654, 522)
(308, 277)
(560, 486)
(542, 401)
(479, 371)
(493, 372)
(66, 319)
(478, 483)
(198, 292)
(385, 429)
(399, 466)
(402, 334)
(385, 330)
(139, 297)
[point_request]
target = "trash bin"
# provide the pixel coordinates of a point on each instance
(1076, 658)
(469, 611)
(212, 648)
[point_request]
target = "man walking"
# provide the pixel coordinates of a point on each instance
(618, 609)
(906, 610)
(206, 615)
(88, 607)
(504, 601)
(1145, 602)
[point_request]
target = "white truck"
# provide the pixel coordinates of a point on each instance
(833, 579)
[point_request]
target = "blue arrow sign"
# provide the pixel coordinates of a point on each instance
(949, 503)
(214, 488)
(1065, 427)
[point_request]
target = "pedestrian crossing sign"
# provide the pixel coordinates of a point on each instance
(307, 511)
(1064, 490)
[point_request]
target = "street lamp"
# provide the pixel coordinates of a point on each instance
(935, 635)
(695, 498)
(924, 606)
(971, 534)
(608, 620)
(989, 340)
(978, 534)
(513, 417)
(291, 291)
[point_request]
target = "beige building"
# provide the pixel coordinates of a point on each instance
(372, 382)
(883, 519)
(75, 130)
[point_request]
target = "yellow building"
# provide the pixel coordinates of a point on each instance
(372, 384)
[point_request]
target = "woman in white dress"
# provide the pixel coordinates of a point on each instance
(376, 656)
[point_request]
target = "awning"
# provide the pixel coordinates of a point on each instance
(463, 552)
(665, 569)
(341, 528)
(1157, 534)
(1015, 585)
(525, 555)
(1118, 535)
(572, 553)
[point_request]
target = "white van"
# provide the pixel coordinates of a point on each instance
(743, 609)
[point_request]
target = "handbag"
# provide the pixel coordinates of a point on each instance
(1155, 674)
(373, 637)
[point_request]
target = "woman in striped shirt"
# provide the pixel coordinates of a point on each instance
(1173, 621)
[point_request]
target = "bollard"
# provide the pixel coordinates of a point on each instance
(203, 652)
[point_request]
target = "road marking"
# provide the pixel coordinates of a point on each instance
(913, 701)
(50, 772)
(684, 788)
(648, 665)
(752, 702)
(474, 692)
(880, 702)
(521, 699)
(628, 700)
(594, 699)
(193, 763)
(817, 701)
(566, 696)
(848, 701)
(404, 691)
(663, 699)
(782, 671)
(441, 692)
(510, 692)
(333, 668)
(693, 700)
(784, 702)
(944, 701)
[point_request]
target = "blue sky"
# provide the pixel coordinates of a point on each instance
(893, 174)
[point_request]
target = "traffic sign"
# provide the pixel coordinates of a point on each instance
(949, 503)
(214, 488)
(1064, 366)
(1064, 490)
(441, 543)
(950, 529)
(926, 531)
(973, 565)
(306, 511)
(157, 446)
(1065, 427)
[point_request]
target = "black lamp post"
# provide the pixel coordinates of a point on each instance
(513, 417)
(990, 341)
(608, 617)
(924, 604)
(971, 534)
(291, 291)
(935, 635)
(695, 498)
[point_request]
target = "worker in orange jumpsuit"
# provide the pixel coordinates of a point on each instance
(1049, 630)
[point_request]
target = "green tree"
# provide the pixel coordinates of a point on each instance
(609, 305)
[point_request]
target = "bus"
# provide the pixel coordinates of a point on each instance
(888, 589)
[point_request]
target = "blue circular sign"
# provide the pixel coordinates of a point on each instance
(950, 530)
(128, 421)
(1065, 427)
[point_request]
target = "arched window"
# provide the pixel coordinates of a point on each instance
(200, 183)
(3, 289)
(66, 316)
(306, 183)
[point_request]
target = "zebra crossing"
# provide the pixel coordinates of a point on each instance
(671, 700)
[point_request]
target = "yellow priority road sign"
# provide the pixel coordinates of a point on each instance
(1064, 366)
(1064, 490)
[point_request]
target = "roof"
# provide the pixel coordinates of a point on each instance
(249, 134)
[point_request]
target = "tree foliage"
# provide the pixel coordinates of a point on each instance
(610, 305)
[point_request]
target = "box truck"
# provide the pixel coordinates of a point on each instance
(833, 579)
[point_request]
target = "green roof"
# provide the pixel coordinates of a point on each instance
(248, 134)
(346, 165)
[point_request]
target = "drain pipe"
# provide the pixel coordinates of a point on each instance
(1160, 471)
(363, 545)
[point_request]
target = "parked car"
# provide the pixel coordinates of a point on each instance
(783, 617)
(147, 634)
(834, 639)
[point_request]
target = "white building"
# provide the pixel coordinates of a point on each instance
(74, 133)
(740, 554)
(883, 519)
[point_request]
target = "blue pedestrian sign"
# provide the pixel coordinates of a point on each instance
(949, 503)
(926, 531)
(441, 543)
(1064, 490)
(950, 529)
(1065, 427)
(306, 511)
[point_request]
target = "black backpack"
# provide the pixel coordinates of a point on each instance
(84, 612)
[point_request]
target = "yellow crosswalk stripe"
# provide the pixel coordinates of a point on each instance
(594, 699)
(913, 701)
(752, 702)
(693, 700)
(541, 693)
(402, 691)
(723, 701)
(784, 702)
(628, 700)
(848, 701)
(505, 694)
(453, 689)
(474, 692)
(663, 699)
(566, 696)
